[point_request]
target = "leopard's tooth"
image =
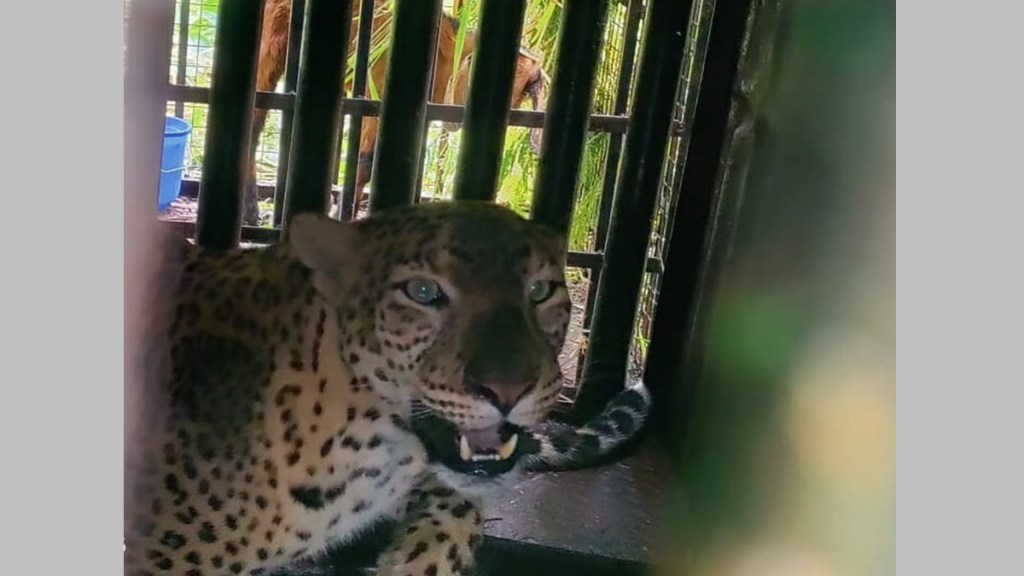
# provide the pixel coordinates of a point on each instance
(508, 447)
(465, 452)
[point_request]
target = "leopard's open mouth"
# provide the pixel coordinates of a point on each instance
(482, 452)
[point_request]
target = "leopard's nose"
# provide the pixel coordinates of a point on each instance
(504, 357)
(502, 394)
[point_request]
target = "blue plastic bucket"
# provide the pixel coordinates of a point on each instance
(172, 164)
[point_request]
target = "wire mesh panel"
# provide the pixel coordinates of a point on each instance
(192, 65)
(668, 194)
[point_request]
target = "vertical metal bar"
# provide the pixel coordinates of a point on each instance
(635, 195)
(355, 130)
(426, 130)
(291, 81)
(317, 106)
(490, 97)
(403, 112)
(295, 36)
(338, 148)
(568, 111)
(225, 157)
(611, 162)
(338, 141)
(704, 9)
(179, 106)
(697, 189)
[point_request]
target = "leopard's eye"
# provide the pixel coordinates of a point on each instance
(540, 291)
(423, 291)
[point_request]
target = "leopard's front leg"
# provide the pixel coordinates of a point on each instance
(438, 534)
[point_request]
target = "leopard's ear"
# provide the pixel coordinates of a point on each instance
(331, 249)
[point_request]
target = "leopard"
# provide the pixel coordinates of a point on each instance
(394, 367)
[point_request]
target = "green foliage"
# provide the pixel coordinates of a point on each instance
(460, 37)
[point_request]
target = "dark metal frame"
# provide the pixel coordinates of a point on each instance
(565, 126)
(346, 203)
(403, 119)
(490, 97)
(633, 206)
(611, 166)
(638, 139)
(426, 128)
(610, 123)
(291, 81)
(232, 99)
(669, 193)
(696, 189)
(317, 120)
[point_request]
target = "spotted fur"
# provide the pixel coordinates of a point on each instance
(295, 386)
(556, 446)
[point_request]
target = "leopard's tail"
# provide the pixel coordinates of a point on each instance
(560, 446)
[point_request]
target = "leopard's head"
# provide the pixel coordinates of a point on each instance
(456, 311)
